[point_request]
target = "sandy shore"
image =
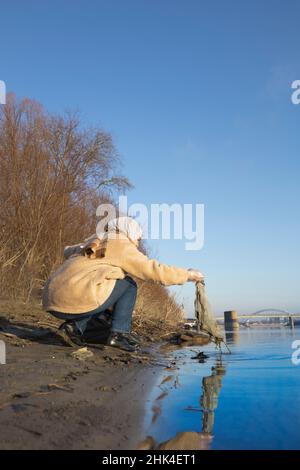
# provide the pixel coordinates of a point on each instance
(51, 400)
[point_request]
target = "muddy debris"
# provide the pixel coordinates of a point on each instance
(44, 390)
(187, 338)
(106, 388)
(53, 387)
(200, 357)
(21, 395)
(82, 354)
(115, 358)
(14, 340)
(72, 376)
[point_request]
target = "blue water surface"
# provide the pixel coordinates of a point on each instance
(249, 399)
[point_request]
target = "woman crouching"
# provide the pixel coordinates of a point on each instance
(96, 277)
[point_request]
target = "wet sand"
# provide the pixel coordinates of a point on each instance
(51, 400)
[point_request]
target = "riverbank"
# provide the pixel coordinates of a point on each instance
(57, 397)
(54, 397)
(50, 399)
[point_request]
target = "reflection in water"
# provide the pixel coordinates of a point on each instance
(211, 387)
(187, 440)
(244, 414)
(233, 336)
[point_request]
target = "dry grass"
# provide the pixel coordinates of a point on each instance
(157, 313)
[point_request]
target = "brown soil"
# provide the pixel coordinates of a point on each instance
(51, 398)
(58, 397)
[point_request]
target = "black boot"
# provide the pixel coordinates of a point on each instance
(132, 339)
(70, 334)
(119, 340)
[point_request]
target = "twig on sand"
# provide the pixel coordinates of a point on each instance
(32, 431)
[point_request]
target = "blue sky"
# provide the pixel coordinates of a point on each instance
(197, 96)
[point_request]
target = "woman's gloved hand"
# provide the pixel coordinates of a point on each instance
(195, 275)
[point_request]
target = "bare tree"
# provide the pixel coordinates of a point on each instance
(53, 175)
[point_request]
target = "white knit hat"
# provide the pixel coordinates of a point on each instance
(127, 226)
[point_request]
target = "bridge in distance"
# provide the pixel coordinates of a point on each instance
(232, 319)
(267, 313)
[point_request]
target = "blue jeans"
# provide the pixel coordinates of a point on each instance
(122, 299)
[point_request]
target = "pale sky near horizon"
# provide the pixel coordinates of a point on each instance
(197, 97)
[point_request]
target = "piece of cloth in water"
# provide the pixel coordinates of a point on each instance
(204, 314)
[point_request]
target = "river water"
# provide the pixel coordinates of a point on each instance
(249, 399)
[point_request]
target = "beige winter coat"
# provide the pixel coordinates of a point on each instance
(86, 279)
